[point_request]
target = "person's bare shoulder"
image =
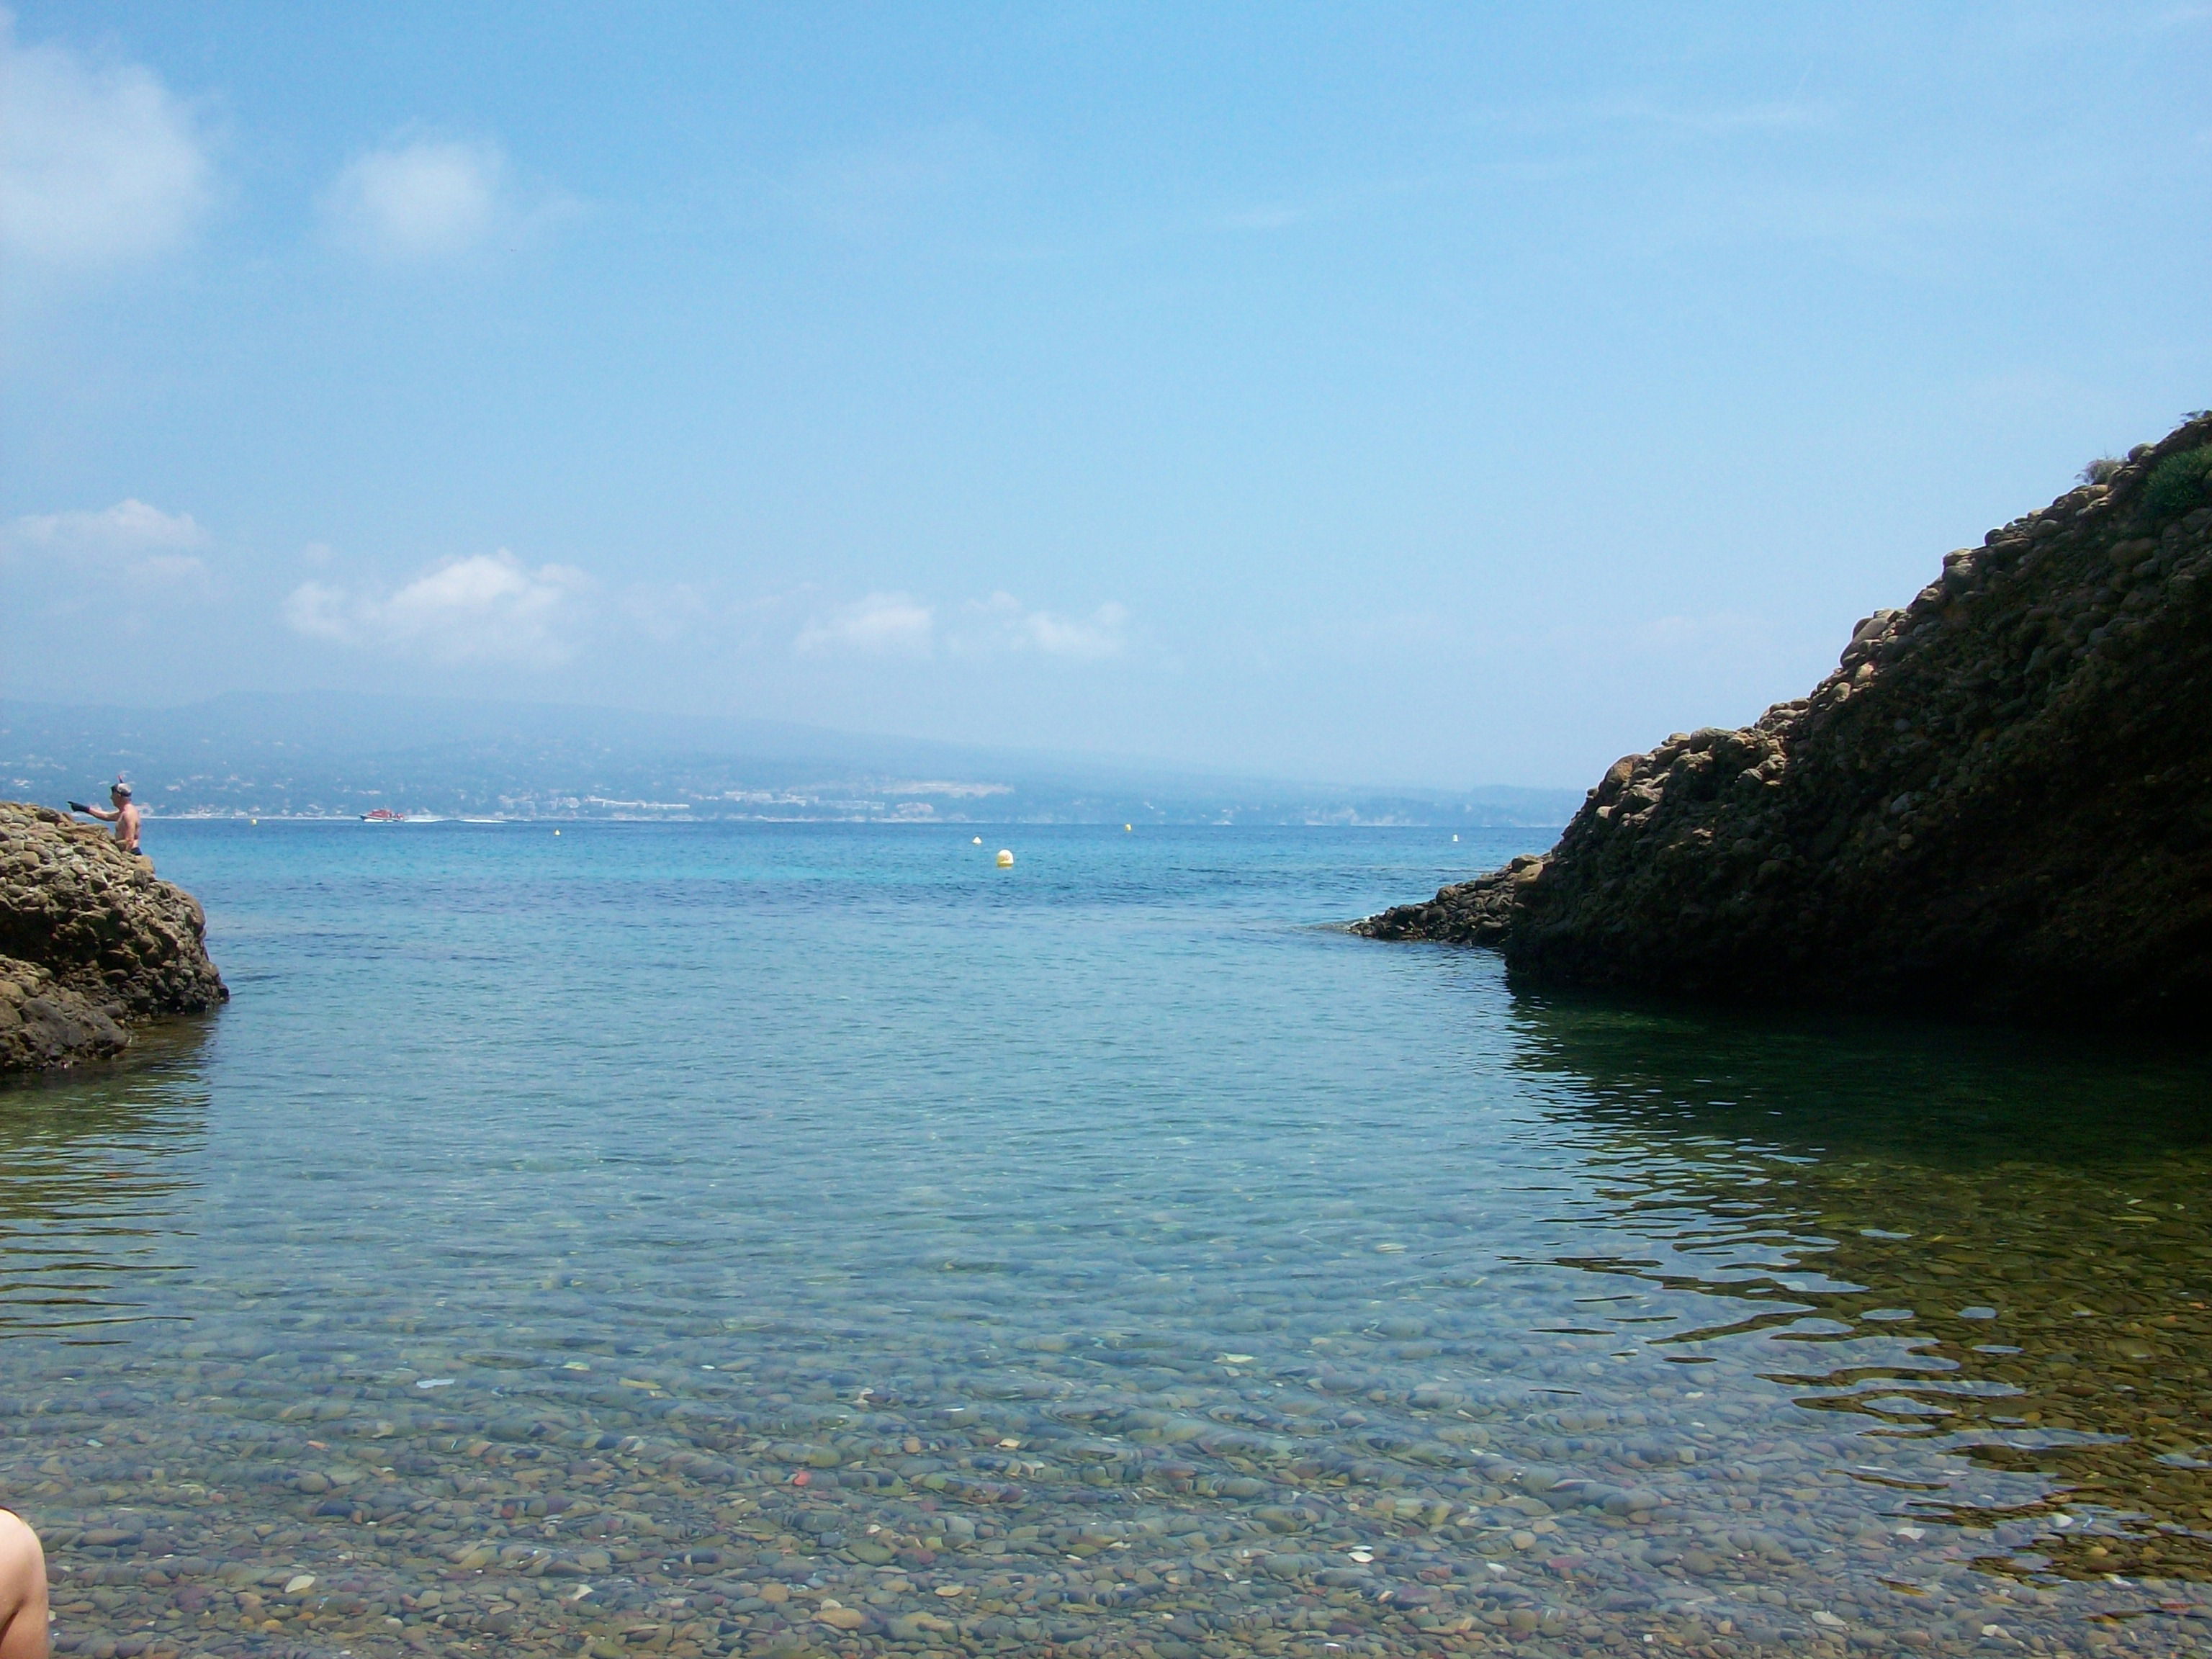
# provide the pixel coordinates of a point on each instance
(18, 1543)
(22, 1591)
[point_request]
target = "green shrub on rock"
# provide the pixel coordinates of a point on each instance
(2178, 483)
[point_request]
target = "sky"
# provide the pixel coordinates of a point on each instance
(1445, 396)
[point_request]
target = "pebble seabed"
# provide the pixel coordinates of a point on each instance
(1395, 1483)
(617, 1528)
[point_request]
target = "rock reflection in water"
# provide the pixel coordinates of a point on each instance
(1996, 1249)
(90, 1167)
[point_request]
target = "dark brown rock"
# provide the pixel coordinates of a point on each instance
(2000, 804)
(43, 1025)
(1468, 913)
(91, 940)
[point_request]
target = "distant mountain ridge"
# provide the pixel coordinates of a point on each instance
(329, 754)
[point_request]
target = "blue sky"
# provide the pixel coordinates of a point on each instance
(1387, 394)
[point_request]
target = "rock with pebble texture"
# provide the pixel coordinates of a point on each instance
(43, 1025)
(1999, 805)
(91, 941)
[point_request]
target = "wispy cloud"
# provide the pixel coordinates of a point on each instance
(882, 624)
(1004, 623)
(99, 164)
(130, 538)
(900, 625)
(420, 200)
(485, 607)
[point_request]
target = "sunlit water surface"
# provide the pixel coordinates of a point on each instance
(814, 1239)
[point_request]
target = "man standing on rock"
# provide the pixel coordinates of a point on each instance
(125, 818)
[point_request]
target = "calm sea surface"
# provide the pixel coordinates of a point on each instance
(814, 1239)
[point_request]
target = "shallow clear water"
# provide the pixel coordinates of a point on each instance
(813, 1238)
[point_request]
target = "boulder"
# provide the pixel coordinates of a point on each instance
(43, 1025)
(1998, 805)
(91, 942)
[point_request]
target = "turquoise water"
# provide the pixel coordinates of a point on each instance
(811, 1238)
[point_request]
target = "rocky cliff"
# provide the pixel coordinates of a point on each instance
(1999, 805)
(91, 942)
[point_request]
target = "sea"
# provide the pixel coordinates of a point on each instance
(807, 1239)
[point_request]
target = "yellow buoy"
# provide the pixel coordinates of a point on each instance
(253, 821)
(1125, 829)
(557, 832)
(1005, 859)
(979, 840)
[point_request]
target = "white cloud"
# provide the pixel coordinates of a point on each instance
(899, 625)
(1098, 635)
(130, 538)
(128, 528)
(420, 200)
(1007, 624)
(485, 607)
(882, 624)
(99, 164)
